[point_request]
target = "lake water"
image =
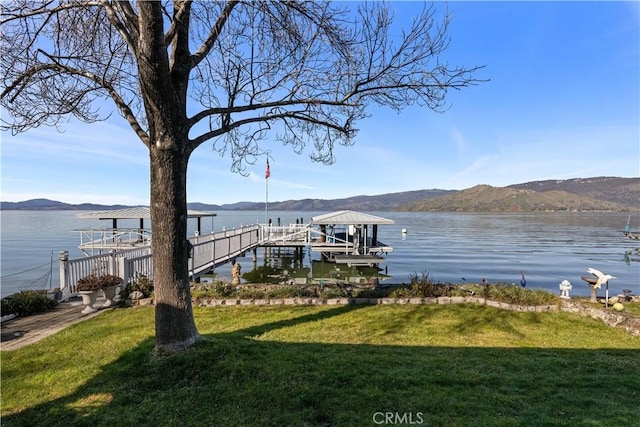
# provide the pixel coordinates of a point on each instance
(450, 247)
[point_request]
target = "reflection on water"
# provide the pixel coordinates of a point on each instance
(632, 255)
(281, 266)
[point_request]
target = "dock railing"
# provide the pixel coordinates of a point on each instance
(212, 250)
(285, 234)
(94, 240)
(208, 252)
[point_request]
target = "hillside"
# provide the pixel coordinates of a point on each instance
(589, 194)
(624, 191)
(383, 202)
(52, 205)
(484, 198)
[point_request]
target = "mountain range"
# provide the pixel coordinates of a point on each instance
(579, 194)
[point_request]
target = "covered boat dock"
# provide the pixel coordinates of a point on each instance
(350, 237)
(118, 237)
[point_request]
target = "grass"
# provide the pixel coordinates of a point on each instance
(633, 308)
(330, 366)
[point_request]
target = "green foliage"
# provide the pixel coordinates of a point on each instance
(26, 303)
(333, 292)
(402, 292)
(511, 294)
(285, 291)
(213, 290)
(515, 294)
(250, 292)
(223, 290)
(633, 308)
(372, 293)
(424, 287)
(139, 283)
(421, 286)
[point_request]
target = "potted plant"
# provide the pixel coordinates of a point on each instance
(88, 288)
(109, 285)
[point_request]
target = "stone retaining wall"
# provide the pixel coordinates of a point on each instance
(614, 319)
(211, 302)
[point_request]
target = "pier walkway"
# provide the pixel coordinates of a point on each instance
(345, 237)
(208, 252)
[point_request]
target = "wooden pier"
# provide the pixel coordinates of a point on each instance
(342, 237)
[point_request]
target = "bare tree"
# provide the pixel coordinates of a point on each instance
(182, 73)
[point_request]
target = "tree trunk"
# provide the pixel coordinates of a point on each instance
(175, 326)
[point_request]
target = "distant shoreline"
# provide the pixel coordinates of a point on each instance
(600, 194)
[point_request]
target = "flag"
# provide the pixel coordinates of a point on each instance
(267, 172)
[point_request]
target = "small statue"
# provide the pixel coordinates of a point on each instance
(565, 287)
(235, 273)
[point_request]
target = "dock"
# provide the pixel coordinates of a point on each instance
(342, 237)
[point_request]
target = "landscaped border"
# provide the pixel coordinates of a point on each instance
(212, 302)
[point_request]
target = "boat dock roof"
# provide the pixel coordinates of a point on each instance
(135, 213)
(118, 238)
(349, 218)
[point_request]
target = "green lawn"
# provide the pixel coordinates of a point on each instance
(433, 365)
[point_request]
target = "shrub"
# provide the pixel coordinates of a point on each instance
(213, 290)
(332, 292)
(90, 283)
(424, 287)
(372, 293)
(138, 283)
(402, 292)
(284, 292)
(514, 294)
(26, 303)
(511, 294)
(222, 290)
(250, 292)
(109, 280)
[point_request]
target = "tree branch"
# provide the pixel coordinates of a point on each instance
(120, 103)
(207, 45)
(22, 14)
(178, 16)
(265, 105)
(267, 118)
(128, 30)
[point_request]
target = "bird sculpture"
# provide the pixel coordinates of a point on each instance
(602, 278)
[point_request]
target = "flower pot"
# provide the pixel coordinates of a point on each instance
(109, 295)
(89, 300)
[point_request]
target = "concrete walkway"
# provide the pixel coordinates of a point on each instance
(21, 331)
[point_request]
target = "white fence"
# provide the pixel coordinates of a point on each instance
(123, 263)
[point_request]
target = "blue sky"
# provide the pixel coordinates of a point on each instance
(563, 102)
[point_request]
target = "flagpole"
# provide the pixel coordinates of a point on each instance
(266, 203)
(267, 174)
